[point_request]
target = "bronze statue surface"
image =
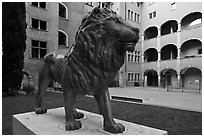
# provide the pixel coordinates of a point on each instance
(92, 63)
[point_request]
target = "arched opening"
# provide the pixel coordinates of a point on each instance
(62, 38)
(191, 48)
(169, 27)
(191, 19)
(151, 78)
(169, 52)
(63, 11)
(150, 55)
(169, 78)
(191, 78)
(150, 32)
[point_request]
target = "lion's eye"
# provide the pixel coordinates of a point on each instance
(116, 20)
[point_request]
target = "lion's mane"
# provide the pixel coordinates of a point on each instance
(92, 63)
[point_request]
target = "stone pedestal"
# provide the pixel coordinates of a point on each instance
(53, 123)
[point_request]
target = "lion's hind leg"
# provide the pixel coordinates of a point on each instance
(43, 82)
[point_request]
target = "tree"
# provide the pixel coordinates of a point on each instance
(13, 45)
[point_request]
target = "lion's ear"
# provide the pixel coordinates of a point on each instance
(96, 10)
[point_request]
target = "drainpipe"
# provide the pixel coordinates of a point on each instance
(125, 53)
(125, 11)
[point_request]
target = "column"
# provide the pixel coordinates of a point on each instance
(171, 55)
(142, 37)
(179, 80)
(143, 58)
(121, 77)
(159, 33)
(179, 27)
(159, 56)
(171, 30)
(142, 79)
(159, 80)
(145, 80)
(179, 53)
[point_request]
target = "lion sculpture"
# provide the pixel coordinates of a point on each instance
(90, 66)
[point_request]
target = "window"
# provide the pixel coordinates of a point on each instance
(136, 17)
(138, 4)
(42, 5)
(131, 17)
(199, 51)
(35, 23)
(62, 38)
(105, 5)
(133, 77)
(138, 57)
(63, 11)
(38, 24)
(173, 6)
(133, 57)
(89, 3)
(43, 25)
(34, 4)
(38, 49)
(128, 14)
(130, 57)
(129, 75)
(39, 4)
(152, 14)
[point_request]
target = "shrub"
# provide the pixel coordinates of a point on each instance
(13, 45)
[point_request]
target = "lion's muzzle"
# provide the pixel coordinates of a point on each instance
(128, 38)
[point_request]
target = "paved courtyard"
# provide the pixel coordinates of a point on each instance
(159, 97)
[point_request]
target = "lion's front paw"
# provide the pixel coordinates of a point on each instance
(40, 110)
(115, 128)
(73, 125)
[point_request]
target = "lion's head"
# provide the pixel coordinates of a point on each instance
(103, 37)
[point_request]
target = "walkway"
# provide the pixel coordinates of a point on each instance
(159, 97)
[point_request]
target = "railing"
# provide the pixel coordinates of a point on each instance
(171, 63)
(169, 38)
(192, 32)
(193, 62)
(150, 43)
(150, 65)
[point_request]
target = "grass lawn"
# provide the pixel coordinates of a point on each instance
(175, 121)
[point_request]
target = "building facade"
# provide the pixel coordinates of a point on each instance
(172, 44)
(42, 35)
(50, 26)
(169, 52)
